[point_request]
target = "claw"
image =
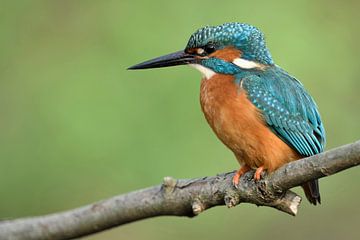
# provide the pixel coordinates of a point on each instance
(236, 178)
(238, 174)
(257, 175)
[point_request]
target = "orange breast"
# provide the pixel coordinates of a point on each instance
(240, 125)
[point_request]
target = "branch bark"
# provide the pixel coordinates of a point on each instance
(187, 197)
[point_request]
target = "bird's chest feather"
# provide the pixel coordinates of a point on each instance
(228, 111)
(239, 124)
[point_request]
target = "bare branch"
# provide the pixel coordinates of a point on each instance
(185, 198)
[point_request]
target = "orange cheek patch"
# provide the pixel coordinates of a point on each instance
(191, 50)
(228, 54)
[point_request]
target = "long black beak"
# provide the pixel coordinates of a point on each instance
(172, 59)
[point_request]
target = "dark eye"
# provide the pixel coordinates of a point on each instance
(209, 48)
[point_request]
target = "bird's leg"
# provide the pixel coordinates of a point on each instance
(258, 172)
(238, 174)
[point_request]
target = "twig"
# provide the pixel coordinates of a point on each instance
(185, 198)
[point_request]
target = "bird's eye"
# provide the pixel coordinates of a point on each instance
(209, 48)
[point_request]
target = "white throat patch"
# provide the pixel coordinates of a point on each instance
(246, 64)
(206, 72)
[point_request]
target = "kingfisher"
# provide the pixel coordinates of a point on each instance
(260, 112)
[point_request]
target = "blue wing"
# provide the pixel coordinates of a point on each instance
(288, 109)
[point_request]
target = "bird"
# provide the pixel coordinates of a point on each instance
(259, 111)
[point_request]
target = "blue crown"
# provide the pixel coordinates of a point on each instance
(248, 39)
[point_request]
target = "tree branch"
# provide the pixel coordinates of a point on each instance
(185, 198)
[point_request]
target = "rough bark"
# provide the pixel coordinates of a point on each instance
(185, 198)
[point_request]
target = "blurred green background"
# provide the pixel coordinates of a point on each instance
(76, 127)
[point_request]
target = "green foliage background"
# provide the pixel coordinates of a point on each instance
(76, 127)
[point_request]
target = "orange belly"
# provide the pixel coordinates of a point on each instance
(240, 125)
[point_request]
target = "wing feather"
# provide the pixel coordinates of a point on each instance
(288, 109)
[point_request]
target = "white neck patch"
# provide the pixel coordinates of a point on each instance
(206, 72)
(246, 64)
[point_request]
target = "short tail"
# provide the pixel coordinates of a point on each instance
(312, 192)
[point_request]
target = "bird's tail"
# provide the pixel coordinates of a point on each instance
(312, 192)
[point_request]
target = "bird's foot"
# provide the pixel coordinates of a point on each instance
(238, 174)
(258, 172)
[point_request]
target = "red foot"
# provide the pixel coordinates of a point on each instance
(258, 172)
(238, 174)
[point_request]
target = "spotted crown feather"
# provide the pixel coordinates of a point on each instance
(247, 38)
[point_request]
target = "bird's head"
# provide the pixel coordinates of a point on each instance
(227, 49)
